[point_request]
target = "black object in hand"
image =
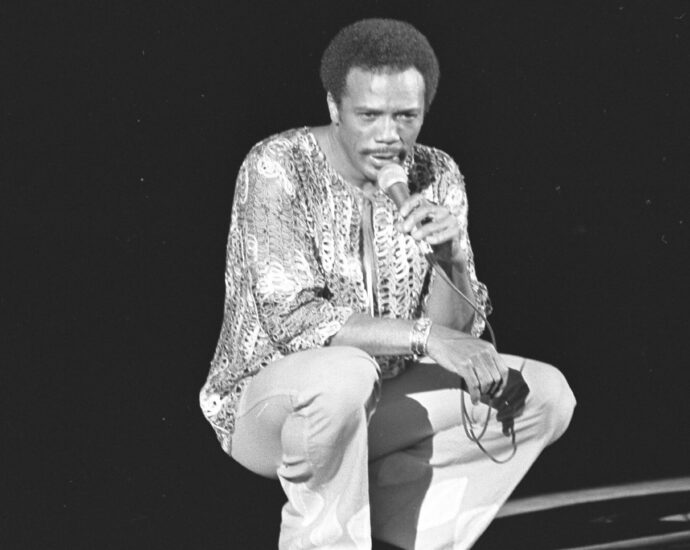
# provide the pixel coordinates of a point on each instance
(510, 403)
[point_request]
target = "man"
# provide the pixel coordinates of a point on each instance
(342, 354)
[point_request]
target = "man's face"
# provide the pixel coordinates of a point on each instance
(379, 118)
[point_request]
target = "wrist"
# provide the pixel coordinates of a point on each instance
(419, 336)
(458, 257)
(439, 337)
(459, 263)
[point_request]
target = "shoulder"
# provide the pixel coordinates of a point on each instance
(281, 146)
(434, 168)
(435, 157)
(269, 170)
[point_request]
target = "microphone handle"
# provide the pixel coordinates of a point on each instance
(399, 193)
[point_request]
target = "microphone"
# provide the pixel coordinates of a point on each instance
(392, 180)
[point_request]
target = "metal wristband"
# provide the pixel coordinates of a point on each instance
(419, 335)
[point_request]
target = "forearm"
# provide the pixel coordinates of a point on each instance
(379, 336)
(446, 307)
(375, 336)
(448, 347)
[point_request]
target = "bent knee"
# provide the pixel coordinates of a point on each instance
(551, 395)
(358, 361)
(352, 383)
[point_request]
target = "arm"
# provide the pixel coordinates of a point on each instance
(376, 336)
(449, 343)
(474, 360)
(447, 233)
(445, 307)
(285, 282)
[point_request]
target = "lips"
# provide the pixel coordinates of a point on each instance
(383, 153)
(378, 161)
(380, 158)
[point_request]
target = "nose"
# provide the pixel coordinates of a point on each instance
(388, 131)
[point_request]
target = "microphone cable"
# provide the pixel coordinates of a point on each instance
(393, 181)
(467, 423)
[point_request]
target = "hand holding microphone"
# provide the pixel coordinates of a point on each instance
(431, 225)
(479, 364)
(475, 360)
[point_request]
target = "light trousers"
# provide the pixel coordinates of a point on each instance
(359, 457)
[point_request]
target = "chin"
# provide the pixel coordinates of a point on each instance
(367, 171)
(372, 173)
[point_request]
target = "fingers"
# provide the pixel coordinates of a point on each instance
(426, 221)
(412, 203)
(424, 215)
(494, 389)
(417, 213)
(438, 237)
(486, 368)
(486, 373)
(478, 363)
(474, 386)
(494, 381)
(499, 373)
(431, 225)
(427, 216)
(476, 381)
(469, 374)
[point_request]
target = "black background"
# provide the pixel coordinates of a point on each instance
(122, 131)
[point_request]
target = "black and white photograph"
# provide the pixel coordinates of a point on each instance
(383, 275)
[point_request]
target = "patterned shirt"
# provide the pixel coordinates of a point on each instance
(294, 269)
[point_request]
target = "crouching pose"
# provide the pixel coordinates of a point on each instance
(347, 367)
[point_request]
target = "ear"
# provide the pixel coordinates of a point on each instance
(333, 109)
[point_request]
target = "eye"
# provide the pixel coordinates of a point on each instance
(408, 117)
(367, 115)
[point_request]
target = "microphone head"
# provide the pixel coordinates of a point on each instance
(389, 175)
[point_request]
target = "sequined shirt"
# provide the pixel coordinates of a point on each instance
(294, 271)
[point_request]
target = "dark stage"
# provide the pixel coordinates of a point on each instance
(123, 127)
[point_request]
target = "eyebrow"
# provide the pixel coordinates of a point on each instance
(363, 109)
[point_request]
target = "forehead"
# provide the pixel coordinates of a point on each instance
(385, 87)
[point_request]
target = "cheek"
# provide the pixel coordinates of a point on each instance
(361, 140)
(410, 133)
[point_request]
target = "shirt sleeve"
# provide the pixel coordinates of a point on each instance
(287, 284)
(455, 199)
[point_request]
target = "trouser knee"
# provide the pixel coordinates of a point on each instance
(330, 415)
(351, 387)
(554, 399)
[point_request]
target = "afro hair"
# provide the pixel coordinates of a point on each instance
(378, 45)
